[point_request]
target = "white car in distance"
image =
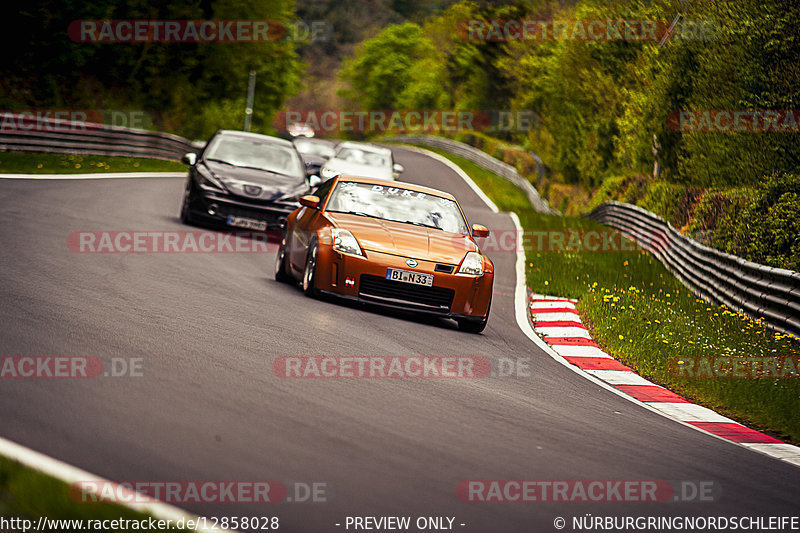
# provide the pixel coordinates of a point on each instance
(361, 159)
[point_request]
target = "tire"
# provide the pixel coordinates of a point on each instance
(186, 216)
(280, 264)
(310, 272)
(472, 325)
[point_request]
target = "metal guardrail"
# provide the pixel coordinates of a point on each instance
(759, 291)
(38, 134)
(483, 160)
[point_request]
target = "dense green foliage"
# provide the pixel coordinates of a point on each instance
(601, 102)
(609, 109)
(187, 88)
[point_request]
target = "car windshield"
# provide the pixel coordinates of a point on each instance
(397, 204)
(254, 153)
(314, 148)
(363, 157)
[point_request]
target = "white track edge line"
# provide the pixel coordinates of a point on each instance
(93, 176)
(70, 474)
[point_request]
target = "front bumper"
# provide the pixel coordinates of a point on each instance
(215, 208)
(364, 280)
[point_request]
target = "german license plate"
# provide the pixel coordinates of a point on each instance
(249, 223)
(406, 276)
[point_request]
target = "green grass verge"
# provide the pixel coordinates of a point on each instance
(28, 494)
(643, 316)
(40, 163)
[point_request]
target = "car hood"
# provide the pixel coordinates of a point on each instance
(407, 240)
(260, 184)
(339, 166)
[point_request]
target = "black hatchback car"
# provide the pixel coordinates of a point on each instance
(244, 180)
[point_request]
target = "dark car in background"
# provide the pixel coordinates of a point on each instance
(315, 152)
(244, 180)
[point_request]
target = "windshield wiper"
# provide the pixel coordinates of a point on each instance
(357, 213)
(220, 161)
(419, 224)
(250, 167)
(257, 168)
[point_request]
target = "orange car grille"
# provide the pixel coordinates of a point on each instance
(382, 290)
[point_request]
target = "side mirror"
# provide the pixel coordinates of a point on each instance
(314, 181)
(190, 159)
(481, 232)
(309, 201)
(397, 168)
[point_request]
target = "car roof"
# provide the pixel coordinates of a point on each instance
(256, 136)
(364, 146)
(401, 184)
(314, 140)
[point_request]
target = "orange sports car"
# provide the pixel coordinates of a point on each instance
(392, 244)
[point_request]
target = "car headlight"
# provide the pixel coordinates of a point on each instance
(328, 173)
(345, 242)
(472, 264)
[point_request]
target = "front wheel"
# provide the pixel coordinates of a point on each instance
(310, 272)
(186, 215)
(280, 264)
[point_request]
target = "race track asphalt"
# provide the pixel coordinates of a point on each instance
(209, 407)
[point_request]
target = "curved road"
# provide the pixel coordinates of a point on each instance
(208, 327)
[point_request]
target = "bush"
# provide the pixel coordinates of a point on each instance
(663, 199)
(768, 231)
(610, 190)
